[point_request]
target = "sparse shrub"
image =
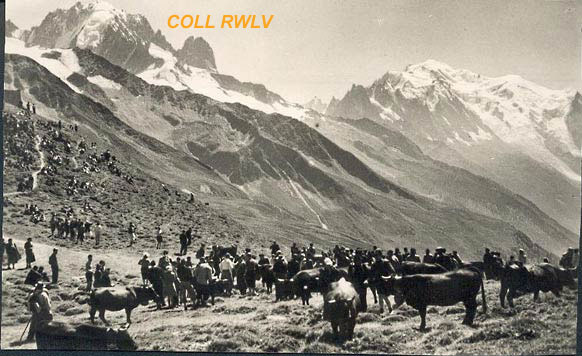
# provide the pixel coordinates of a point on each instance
(367, 317)
(319, 348)
(223, 346)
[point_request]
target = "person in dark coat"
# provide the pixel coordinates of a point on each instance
(54, 263)
(251, 274)
(12, 253)
(29, 252)
(240, 271)
(183, 243)
(33, 276)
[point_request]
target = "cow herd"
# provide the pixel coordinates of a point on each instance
(419, 285)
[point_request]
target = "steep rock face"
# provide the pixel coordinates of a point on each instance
(10, 28)
(197, 53)
(493, 127)
(122, 38)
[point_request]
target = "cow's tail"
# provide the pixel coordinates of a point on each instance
(483, 295)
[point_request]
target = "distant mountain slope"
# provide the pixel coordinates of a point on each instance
(274, 159)
(515, 132)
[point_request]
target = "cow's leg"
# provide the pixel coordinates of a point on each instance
(556, 292)
(92, 312)
(374, 294)
(128, 315)
(334, 328)
(510, 296)
(471, 310)
(502, 294)
(102, 316)
(536, 295)
(422, 312)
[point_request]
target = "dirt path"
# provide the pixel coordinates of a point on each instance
(42, 163)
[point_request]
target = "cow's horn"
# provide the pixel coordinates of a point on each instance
(280, 280)
(291, 280)
(317, 278)
(305, 287)
(331, 301)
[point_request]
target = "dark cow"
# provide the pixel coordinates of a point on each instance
(115, 299)
(411, 268)
(421, 290)
(518, 279)
(284, 289)
(267, 277)
(316, 280)
(340, 307)
(56, 335)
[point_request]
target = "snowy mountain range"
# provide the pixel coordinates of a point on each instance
(516, 132)
(128, 40)
(371, 167)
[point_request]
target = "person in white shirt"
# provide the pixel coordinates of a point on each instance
(227, 270)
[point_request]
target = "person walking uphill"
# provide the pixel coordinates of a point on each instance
(89, 272)
(29, 252)
(54, 263)
(39, 303)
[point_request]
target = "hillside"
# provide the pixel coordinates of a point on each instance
(287, 165)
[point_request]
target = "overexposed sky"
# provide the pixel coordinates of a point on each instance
(319, 48)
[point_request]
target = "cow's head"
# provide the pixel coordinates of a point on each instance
(145, 294)
(122, 339)
(394, 285)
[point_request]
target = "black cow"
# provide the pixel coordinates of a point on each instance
(411, 268)
(284, 289)
(267, 277)
(340, 307)
(421, 290)
(56, 335)
(518, 280)
(115, 299)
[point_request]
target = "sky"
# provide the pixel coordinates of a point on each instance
(320, 48)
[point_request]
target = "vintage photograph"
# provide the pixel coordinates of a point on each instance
(378, 177)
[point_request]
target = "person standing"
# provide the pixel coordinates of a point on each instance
(12, 253)
(251, 274)
(226, 267)
(522, 257)
(183, 243)
(89, 272)
(132, 230)
(29, 252)
(54, 263)
(159, 237)
(97, 230)
(203, 276)
(39, 303)
(145, 267)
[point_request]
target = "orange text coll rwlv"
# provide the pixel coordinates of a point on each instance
(227, 21)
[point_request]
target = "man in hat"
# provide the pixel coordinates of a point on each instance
(428, 257)
(274, 247)
(226, 267)
(144, 269)
(39, 303)
(280, 266)
(203, 276)
(29, 253)
(521, 257)
(413, 257)
(54, 263)
(164, 261)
